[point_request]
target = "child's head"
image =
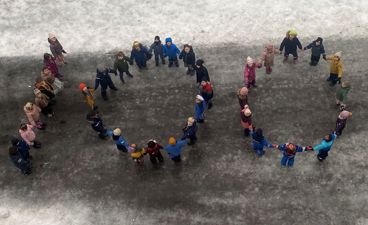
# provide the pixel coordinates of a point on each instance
(292, 34)
(249, 61)
(151, 144)
(338, 55)
(120, 55)
(116, 132)
(47, 56)
(37, 92)
(157, 38)
(199, 63)
(187, 48)
(168, 41)
(269, 47)
(328, 137)
(190, 121)
(290, 148)
(172, 141)
(345, 84)
(13, 150)
(199, 99)
(136, 45)
(29, 106)
(243, 91)
(23, 126)
(45, 70)
(52, 37)
(82, 86)
(319, 41)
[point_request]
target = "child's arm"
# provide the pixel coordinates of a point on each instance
(299, 44)
(282, 45)
(308, 46)
(181, 54)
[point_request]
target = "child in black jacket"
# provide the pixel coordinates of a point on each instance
(158, 50)
(188, 56)
(290, 43)
(317, 51)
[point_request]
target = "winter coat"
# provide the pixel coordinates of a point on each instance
(122, 64)
(286, 153)
(335, 65)
(46, 88)
(202, 74)
(157, 48)
(175, 150)
(137, 154)
(250, 72)
(316, 50)
(52, 66)
(259, 144)
(140, 56)
(290, 45)
(246, 121)
(97, 125)
(42, 100)
(23, 149)
(324, 145)
(33, 115)
(153, 151)
(56, 48)
(103, 78)
(171, 51)
(21, 163)
(88, 97)
(269, 55)
(120, 142)
(188, 58)
(29, 135)
(342, 93)
(199, 110)
(190, 131)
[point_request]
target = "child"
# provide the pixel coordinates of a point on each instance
(268, 57)
(174, 149)
(259, 142)
(201, 71)
(88, 95)
(42, 101)
(250, 72)
(246, 120)
(153, 149)
(103, 78)
(19, 162)
(200, 107)
(56, 49)
(137, 154)
(158, 50)
(289, 151)
(45, 87)
(97, 125)
(243, 97)
(341, 121)
(28, 135)
(120, 142)
(48, 76)
(171, 51)
(188, 57)
(317, 51)
(336, 68)
(22, 147)
(325, 146)
(206, 91)
(341, 94)
(140, 54)
(50, 63)
(290, 43)
(121, 65)
(32, 112)
(190, 131)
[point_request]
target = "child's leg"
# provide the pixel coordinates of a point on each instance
(103, 93)
(121, 75)
(162, 58)
(159, 156)
(246, 132)
(176, 61)
(153, 159)
(290, 162)
(171, 62)
(295, 56)
(176, 158)
(284, 160)
(286, 56)
(268, 69)
(254, 83)
(129, 74)
(157, 59)
(334, 79)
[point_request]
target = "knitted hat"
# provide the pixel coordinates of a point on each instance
(82, 86)
(36, 91)
(249, 60)
(133, 145)
(191, 120)
(247, 112)
(199, 62)
(52, 35)
(117, 132)
(28, 105)
(345, 84)
(338, 54)
(293, 32)
(243, 91)
(319, 39)
(168, 39)
(172, 141)
(345, 114)
(199, 97)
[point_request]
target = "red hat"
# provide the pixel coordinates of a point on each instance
(82, 86)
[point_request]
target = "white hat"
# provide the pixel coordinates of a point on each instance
(338, 54)
(247, 112)
(200, 98)
(117, 132)
(52, 35)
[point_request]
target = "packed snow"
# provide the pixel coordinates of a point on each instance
(106, 25)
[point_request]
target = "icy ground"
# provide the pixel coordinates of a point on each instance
(91, 26)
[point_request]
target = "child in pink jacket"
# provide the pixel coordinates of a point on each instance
(28, 135)
(33, 115)
(250, 72)
(268, 56)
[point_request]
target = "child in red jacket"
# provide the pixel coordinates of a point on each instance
(153, 149)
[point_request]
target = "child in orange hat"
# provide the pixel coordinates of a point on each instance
(88, 95)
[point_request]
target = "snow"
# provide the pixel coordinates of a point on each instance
(106, 25)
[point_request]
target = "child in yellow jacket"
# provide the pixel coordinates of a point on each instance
(336, 68)
(137, 154)
(88, 95)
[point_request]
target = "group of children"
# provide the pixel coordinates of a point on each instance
(46, 87)
(291, 43)
(140, 55)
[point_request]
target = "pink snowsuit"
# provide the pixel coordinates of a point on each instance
(29, 135)
(250, 74)
(34, 116)
(268, 56)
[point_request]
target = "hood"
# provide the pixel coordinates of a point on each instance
(168, 40)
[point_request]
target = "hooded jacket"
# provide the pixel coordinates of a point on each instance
(157, 48)
(202, 74)
(342, 93)
(290, 45)
(190, 131)
(325, 145)
(284, 148)
(188, 58)
(171, 51)
(175, 150)
(199, 110)
(336, 66)
(317, 50)
(103, 78)
(140, 56)
(55, 47)
(122, 64)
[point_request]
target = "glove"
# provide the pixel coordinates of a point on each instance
(309, 148)
(339, 81)
(63, 51)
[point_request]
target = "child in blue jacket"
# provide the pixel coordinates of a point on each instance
(103, 78)
(259, 142)
(325, 146)
(140, 55)
(158, 49)
(190, 131)
(120, 142)
(174, 148)
(97, 125)
(172, 52)
(289, 151)
(200, 107)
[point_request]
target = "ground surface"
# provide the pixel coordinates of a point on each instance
(79, 179)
